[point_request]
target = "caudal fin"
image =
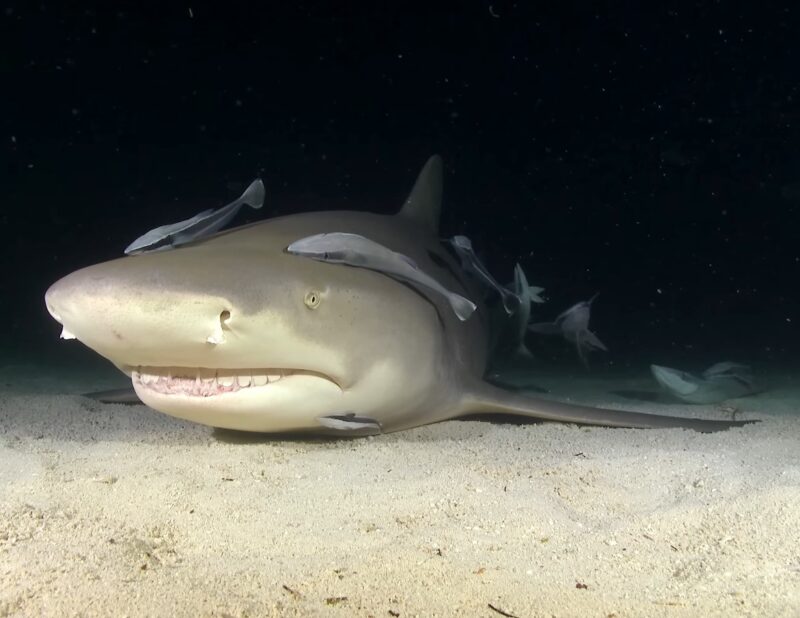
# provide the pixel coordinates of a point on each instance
(490, 399)
(463, 307)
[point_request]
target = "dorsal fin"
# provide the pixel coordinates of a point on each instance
(424, 203)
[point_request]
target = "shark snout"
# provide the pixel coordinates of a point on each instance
(153, 320)
(133, 324)
(59, 299)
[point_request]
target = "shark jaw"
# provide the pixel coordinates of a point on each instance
(205, 382)
(244, 399)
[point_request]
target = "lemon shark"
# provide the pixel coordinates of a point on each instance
(233, 331)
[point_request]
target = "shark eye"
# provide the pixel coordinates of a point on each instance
(312, 299)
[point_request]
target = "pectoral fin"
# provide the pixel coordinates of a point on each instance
(118, 395)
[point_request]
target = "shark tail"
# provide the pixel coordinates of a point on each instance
(485, 398)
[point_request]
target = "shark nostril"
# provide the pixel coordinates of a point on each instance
(218, 336)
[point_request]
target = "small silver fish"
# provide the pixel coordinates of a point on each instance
(509, 330)
(573, 324)
(471, 264)
(356, 250)
(719, 382)
(201, 225)
(526, 294)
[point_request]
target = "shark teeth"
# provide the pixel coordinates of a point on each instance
(202, 382)
(65, 334)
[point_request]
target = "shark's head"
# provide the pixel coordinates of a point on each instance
(234, 332)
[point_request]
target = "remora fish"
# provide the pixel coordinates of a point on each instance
(719, 382)
(511, 330)
(355, 250)
(199, 226)
(470, 263)
(232, 331)
(573, 324)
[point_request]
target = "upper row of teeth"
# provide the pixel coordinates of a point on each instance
(212, 376)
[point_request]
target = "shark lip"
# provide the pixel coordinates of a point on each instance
(208, 382)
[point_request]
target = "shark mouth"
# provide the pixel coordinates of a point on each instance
(203, 382)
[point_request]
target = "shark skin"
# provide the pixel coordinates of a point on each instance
(232, 331)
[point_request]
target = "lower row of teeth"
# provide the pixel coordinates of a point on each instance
(206, 382)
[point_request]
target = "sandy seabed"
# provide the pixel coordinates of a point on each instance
(119, 510)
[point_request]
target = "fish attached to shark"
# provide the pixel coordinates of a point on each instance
(201, 225)
(355, 250)
(232, 331)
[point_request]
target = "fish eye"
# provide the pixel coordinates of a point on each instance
(312, 299)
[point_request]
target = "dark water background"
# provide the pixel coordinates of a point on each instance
(646, 151)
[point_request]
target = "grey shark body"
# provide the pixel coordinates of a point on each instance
(232, 331)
